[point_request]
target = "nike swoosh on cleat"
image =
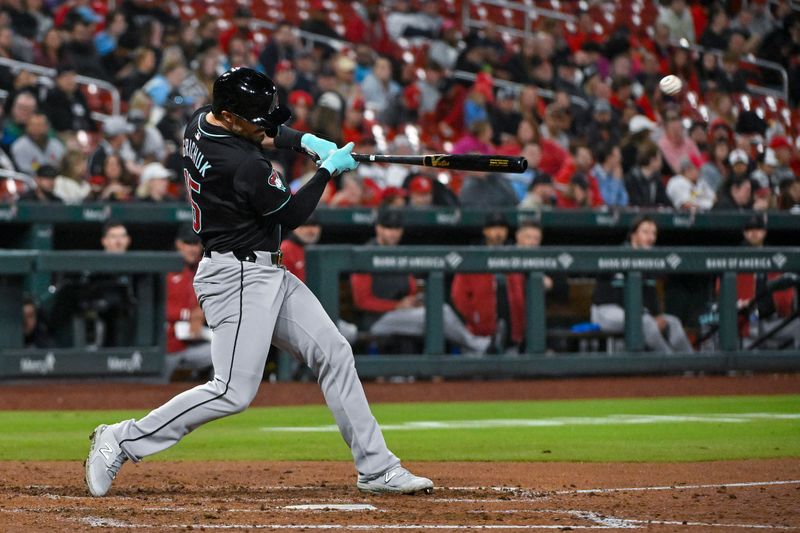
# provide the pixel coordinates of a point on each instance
(388, 477)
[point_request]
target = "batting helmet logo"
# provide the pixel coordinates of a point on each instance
(275, 180)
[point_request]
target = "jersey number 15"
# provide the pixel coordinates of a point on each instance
(192, 185)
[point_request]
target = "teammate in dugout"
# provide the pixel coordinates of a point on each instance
(241, 205)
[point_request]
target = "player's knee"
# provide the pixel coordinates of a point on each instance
(337, 354)
(239, 396)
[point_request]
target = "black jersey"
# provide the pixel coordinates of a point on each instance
(234, 191)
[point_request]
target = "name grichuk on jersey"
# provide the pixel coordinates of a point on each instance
(232, 187)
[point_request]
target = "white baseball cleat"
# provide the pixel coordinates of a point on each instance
(104, 461)
(398, 480)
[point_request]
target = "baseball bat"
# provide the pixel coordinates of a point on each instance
(481, 163)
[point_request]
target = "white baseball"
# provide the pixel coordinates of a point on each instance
(671, 84)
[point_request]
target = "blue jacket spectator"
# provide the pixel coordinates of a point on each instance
(608, 173)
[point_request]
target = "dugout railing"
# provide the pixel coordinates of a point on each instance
(143, 357)
(36, 226)
(326, 263)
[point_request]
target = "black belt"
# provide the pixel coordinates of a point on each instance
(250, 256)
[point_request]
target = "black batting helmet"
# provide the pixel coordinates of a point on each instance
(251, 96)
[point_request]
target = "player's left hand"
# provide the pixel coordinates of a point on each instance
(318, 149)
(340, 161)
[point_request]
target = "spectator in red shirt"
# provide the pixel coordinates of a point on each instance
(239, 28)
(584, 32)
(368, 26)
(390, 302)
(188, 338)
(567, 185)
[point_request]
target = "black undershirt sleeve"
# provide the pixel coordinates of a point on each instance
(288, 138)
(304, 201)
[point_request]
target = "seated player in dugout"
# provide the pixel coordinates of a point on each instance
(390, 302)
(493, 304)
(240, 207)
(662, 332)
(762, 308)
(293, 248)
(188, 341)
(104, 303)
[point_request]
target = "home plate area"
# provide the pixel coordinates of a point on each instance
(310, 496)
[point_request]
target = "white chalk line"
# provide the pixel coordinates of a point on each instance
(608, 523)
(545, 492)
(619, 419)
(684, 487)
(708, 524)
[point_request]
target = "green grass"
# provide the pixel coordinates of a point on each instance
(62, 435)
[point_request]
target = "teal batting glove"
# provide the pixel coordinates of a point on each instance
(317, 148)
(340, 161)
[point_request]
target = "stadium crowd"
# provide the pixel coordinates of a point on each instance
(605, 136)
(583, 106)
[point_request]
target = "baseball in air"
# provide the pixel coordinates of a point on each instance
(671, 84)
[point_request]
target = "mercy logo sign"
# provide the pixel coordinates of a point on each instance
(122, 364)
(38, 366)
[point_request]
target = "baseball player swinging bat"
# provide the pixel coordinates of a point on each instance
(240, 205)
(481, 163)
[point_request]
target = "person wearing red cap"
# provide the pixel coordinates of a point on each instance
(788, 167)
(393, 197)
(301, 103)
(285, 79)
(478, 101)
(420, 192)
(687, 191)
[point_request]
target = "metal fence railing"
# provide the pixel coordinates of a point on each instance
(528, 13)
(782, 93)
